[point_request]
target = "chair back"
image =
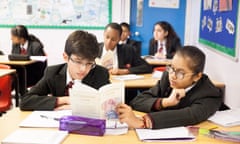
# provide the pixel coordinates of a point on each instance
(5, 90)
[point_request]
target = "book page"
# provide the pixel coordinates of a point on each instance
(27, 136)
(85, 101)
(44, 118)
(112, 95)
(167, 134)
(226, 118)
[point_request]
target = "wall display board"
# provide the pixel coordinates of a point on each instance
(84, 14)
(219, 25)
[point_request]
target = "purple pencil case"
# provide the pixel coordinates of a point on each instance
(83, 125)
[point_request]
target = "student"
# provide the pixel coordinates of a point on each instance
(27, 44)
(124, 59)
(121, 59)
(50, 93)
(184, 95)
(24, 43)
(126, 40)
(165, 41)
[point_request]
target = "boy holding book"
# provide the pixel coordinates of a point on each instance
(51, 92)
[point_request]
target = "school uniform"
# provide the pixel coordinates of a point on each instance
(200, 102)
(54, 83)
(170, 51)
(34, 71)
(128, 59)
(136, 45)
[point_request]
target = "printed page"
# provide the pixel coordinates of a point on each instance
(85, 101)
(111, 96)
(44, 118)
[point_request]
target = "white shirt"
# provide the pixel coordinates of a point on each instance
(25, 45)
(163, 46)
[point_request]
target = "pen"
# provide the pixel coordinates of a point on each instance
(48, 117)
(69, 122)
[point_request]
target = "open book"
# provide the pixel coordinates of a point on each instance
(89, 102)
(167, 134)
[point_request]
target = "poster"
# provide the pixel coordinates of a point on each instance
(218, 26)
(56, 13)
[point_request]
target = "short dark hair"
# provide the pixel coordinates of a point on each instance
(126, 25)
(82, 44)
(115, 26)
(196, 56)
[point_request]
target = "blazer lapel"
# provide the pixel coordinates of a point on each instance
(60, 81)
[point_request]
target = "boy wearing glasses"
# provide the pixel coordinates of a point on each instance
(184, 95)
(51, 92)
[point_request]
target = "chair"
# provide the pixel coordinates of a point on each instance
(5, 91)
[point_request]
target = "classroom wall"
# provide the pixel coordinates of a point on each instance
(218, 67)
(54, 39)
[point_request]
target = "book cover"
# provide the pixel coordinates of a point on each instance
(89, 102)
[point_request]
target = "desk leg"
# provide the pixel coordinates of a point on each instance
(16, 86)
(22, 77)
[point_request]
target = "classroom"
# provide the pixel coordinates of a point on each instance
(186, 18)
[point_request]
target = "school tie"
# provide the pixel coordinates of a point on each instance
(161, 48)
(23, 51)
(68, 86)
(107, 60)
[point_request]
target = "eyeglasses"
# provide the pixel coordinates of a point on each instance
(178, 73)
(89, 65)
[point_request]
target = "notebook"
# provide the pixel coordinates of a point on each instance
(165, 135)
(27, 136)
(226, 118)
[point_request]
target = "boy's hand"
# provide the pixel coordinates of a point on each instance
(174, 98)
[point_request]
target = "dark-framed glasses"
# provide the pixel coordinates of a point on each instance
(179, 74)
(88, 65)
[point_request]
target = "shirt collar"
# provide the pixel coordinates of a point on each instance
(25, 45)
(69, 78)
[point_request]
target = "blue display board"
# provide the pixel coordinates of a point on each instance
(83, 14)
(218, 26)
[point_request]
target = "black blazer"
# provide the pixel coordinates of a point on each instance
(170, 51)
(137, 45)
(54, 83)
(127, 58)
(34, 49)
(34, 71)
(200, 102)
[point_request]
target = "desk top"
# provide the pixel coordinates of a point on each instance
(4, 72)
(149, 81)
(4, 60)
(9, 123)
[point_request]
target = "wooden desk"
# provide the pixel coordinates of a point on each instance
(148, 81)
(10, 121)
(18, 65)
